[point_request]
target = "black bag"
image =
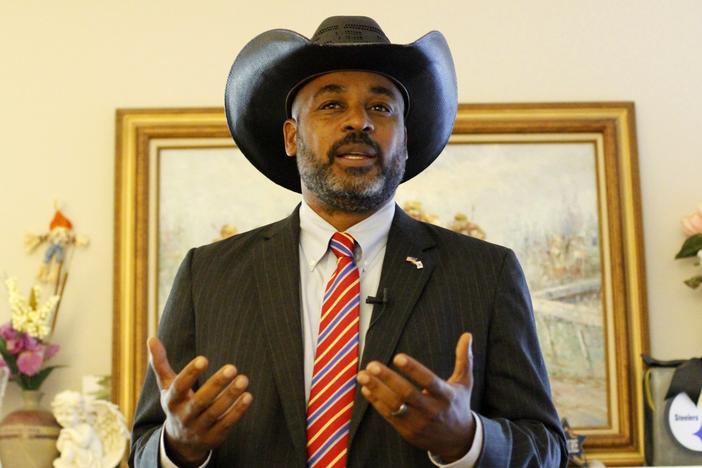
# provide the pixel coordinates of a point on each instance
(663, 381)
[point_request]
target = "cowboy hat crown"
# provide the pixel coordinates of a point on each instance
(273, 66)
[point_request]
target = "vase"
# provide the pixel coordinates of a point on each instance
(28, 436)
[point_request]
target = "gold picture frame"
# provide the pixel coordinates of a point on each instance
(605, 131)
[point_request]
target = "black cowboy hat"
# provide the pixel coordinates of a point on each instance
(272, 66)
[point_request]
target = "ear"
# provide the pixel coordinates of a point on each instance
(290, 137)
(406, 153)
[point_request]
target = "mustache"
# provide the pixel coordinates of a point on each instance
(355, 137)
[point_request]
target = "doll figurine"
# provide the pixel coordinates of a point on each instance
(59, 238)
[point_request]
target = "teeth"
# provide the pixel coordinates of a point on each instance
(354, 156)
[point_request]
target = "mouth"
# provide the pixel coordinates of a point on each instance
(356, 151)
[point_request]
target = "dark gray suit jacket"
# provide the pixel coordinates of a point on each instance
(238, 301)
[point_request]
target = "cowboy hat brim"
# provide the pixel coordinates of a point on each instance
(275, 62)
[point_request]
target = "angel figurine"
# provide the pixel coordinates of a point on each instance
(59, 238)
(94, 433)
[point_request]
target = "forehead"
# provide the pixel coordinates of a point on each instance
(348, 81)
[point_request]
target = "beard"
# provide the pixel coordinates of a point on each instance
(358, 190)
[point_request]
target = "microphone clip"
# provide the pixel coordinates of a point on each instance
(381, 299)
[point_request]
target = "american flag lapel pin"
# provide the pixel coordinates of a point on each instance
(416, 262)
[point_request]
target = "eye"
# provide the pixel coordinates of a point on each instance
(380, 107)
(330, 105)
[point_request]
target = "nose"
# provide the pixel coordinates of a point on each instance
(357, 118)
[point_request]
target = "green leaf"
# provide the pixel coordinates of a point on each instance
(694, 282)
(23, 381)
(35, 381)
(692, 245)
(10, 359)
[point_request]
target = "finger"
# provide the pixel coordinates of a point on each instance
(235, 412)
(201, 400)
(219, 407)
(183, 382)
(379, 392)
(405, 391)
(422, 376)
(463, 369)
(380, 405)
(159, 362)
(408, 419)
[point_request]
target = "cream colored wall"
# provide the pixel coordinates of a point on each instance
(66, 66)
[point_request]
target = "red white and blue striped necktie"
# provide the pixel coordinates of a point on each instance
(333, 386)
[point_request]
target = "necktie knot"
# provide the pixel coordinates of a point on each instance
(341, 244)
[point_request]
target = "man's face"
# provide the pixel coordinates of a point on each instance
(347, 132)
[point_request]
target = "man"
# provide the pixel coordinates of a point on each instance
(348, 303)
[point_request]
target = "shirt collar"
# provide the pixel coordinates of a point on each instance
(370, 234)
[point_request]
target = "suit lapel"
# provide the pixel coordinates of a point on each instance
(405, 283)
(278, 281)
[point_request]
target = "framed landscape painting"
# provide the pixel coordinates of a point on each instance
(557, 183)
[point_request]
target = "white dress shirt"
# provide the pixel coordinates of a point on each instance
(317, 264)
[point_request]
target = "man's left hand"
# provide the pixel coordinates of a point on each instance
(438, 417)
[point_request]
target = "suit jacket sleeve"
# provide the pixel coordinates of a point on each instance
(520, 423)
(176, 331)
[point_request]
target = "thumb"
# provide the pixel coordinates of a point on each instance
(159, 362)
(463, 369)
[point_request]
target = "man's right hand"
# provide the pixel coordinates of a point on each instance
(197, 421)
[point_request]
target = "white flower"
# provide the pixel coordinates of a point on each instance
(28, 315)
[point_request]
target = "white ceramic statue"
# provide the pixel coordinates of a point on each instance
(94, 432)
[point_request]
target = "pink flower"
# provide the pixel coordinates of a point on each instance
(15, 345)
(7, 332)
(14, 341)
(31, 343)
(30, 362)
(692, 223)
(51, 351)
(2, 362)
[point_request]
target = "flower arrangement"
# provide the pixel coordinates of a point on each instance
(692, 247)
(24, 345)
